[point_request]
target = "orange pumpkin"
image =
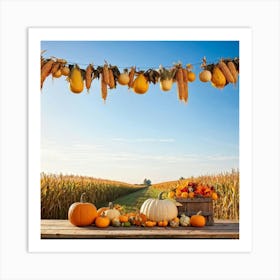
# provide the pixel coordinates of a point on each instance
(140, 219)
(123, 218)
(184, 194)
(191, 195)
(102, 221)
(150, 223)
(101, 210)
(198, 220)
(163, 223)
(82, 213)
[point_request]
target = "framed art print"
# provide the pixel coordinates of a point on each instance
(140, 139)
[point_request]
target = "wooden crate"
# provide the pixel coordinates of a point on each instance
(190, 206)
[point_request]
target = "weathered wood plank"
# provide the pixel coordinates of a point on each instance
(63, 229)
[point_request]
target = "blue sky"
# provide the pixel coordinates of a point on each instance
(132, 137)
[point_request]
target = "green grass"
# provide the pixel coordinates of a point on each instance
(133, 201)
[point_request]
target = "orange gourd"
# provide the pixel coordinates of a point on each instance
(76, 80)
(82, 213)
(123, 218)
(198, 220)
(163, 223)
(102, 221)
(140, 84)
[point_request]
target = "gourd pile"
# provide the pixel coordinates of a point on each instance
(219, 75)
(153, 212)
(193, 190)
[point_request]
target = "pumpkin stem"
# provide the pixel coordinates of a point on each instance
(82, 199)
(198, 213)
(111, 205)
(160, 195)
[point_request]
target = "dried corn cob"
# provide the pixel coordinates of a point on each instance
(111, 79)
(226, 72)
(180, 84)
(104, 90)
(131, 77)
(46, 70)
(105, 74)
(88, 76)
(185, 75)
(233, 71)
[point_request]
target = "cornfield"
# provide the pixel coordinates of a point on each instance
(226, 185)
(58, 192)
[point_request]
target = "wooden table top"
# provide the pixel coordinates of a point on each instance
(63, 229)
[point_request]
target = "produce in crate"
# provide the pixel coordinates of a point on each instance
(82, 213)
(158, 209)
(192, 190)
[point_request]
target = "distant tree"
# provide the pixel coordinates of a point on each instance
(182, 178)
(147, 182)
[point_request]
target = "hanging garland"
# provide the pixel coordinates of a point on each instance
(219, 74)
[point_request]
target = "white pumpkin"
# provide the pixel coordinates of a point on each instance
(159, 209)
(112, 212)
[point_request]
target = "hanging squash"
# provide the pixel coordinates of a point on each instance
(140, 84)
(205, 76)
(218, 79)
(76, 80)
(123, 78)
(159, 209)
(166, 78)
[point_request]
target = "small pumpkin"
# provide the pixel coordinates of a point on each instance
(185, 220)
(116, 222)
(123, 218)
(184, 194)
(159, 209)
(174, 222)
(82, 213)
(191, 194)
(198, 220)
(191, 76)
(171, 194)
(150, 223)
(139, 219)
(102, 221)
(112, 213)
(163, 223)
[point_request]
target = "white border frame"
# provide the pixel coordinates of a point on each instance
(243, 244)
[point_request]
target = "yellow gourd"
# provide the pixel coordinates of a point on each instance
(140, 84)
(218, 79)
(76, 80)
